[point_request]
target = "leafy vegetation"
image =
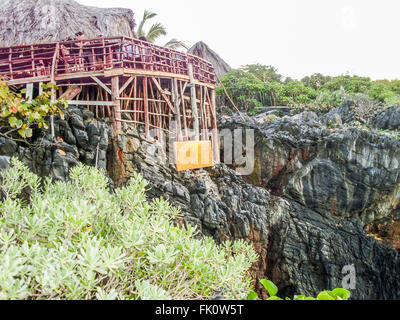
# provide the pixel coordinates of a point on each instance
(17, 115)
(272, 290)
(257, 85)
(76, 240)
(157, 30)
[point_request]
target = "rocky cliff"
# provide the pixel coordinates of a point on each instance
(37, 21)
(319, 199)
(323, 195)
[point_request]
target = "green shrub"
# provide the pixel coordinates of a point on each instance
(272, 290)
(76, 240)
(392, 101)
(258, 85)
(17, 115)
(329, 100)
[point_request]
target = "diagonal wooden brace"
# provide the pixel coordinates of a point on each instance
(101, 84)
(163, 94)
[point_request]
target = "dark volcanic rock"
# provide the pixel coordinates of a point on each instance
(7, 147)
(307, 252)
(4, 162)
(388, 119)
(79, 138)
(314, 199)
(302, 242)
(344, 171)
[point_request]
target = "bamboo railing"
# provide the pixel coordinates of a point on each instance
(51, 60)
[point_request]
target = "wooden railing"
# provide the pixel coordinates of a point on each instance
(97, 55)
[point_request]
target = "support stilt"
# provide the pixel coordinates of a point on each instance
(215, 136)
(194, 104)
(117, 103)
(146, 108)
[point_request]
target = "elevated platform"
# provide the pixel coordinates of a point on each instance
(125, 79)
(71, 60)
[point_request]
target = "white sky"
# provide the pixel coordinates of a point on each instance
(298, 37)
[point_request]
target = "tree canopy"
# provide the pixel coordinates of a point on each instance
(257, 85)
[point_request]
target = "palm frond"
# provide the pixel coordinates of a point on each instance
(155, 32)
(175, 44)
(147, 15)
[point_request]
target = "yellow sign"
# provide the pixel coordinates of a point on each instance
(191, 155)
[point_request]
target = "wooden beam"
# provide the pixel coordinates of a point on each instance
(157, 74)
(101, 84)
(146, 108)
(183, 90)
(126, 84)
(194, 104)
(78, 75)
(135, 95)
(90, 103)
(29, 92)
(177, 109)
(163, 94)
(204, 114)
(117, 103)
(53, 80)
(215, 136)
(29, 80)
(182, 98)
(71, 93)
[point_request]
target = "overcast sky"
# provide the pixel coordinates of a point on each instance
(298, 37)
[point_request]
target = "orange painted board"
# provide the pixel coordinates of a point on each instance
(192, 155)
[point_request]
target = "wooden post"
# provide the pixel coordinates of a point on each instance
(175, 98)
(204, 114)
(194, 103)
(53, 81)
(215, 136)
(146, 108)
(29, 92)
(117, 103)
(184, 111)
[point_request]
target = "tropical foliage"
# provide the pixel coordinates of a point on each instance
(272, 290)
(18, 116)
(156, 31)
(76, 240)
(257, 85)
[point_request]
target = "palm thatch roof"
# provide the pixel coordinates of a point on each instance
(201, 50)
(38, 21)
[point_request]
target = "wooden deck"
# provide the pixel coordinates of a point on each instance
(66, 60)
(125, 79)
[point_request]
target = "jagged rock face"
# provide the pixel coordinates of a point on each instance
(343, 171)
(285, 209)
(79, 138)
(302, 249)
(38, 21)
(201, 50)
(388, 119)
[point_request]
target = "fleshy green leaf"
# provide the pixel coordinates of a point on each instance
(12, 121)
(270, 287)
(25, 132)
(342, 293)
(324, 295)
(274, 298)
(252, 295)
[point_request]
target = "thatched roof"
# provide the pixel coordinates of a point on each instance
(201, 50)
(37, 21)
